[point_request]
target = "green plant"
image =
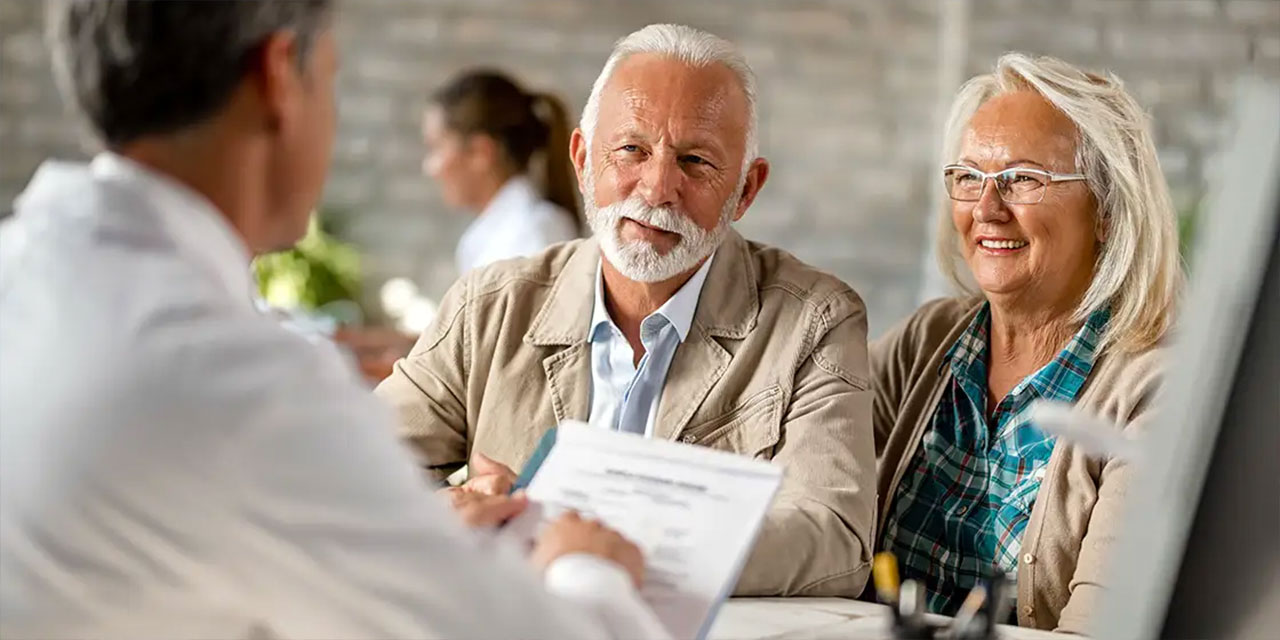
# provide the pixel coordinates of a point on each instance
(1187, 219)
(318, 271)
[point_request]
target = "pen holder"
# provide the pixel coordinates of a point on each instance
(985, 605)
(931, 630)
(917, 630)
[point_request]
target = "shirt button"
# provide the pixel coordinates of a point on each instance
(687, 438)
(962, 510)
(1029, 559)
(1028, 611)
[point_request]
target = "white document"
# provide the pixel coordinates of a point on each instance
(694, 512)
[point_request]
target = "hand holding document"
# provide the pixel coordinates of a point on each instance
(694, 512)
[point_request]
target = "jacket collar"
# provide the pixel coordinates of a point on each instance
(727, 308)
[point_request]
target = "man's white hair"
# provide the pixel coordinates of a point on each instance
(1138, 274)
(691, 46)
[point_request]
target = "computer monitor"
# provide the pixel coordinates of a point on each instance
(1200, 553)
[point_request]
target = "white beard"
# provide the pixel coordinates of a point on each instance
(639, 260)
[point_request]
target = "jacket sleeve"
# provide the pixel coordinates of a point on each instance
(889, 355)
(816, 539)
(428, 388)
(1088, 583)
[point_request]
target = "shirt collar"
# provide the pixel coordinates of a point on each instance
(972, 344)
(967, 357)
(197, 227)
(678, 309)
(1063, 377)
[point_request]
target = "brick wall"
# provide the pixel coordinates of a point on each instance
(849, 89)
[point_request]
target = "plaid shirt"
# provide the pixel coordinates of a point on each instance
(965, 500)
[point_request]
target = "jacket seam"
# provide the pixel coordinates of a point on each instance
(862, 566)
(821, 310)
(467, 335)
(443, 333)
(858, 382)
(510, 280)
(809, 297)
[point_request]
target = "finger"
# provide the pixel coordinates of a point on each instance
(454, 495)
(481, 465)
(492, 511)
(493, 485)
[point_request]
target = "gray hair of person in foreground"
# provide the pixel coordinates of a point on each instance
(132, 69)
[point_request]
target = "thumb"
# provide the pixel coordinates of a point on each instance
(499, 509)
(481, 464)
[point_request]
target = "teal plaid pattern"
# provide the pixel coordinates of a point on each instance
(966, 498)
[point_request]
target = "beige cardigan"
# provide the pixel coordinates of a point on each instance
(1077, 513)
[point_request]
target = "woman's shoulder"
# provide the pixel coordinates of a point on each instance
(945, 312)
(1131, 373)
(934, 322)
(913, 348)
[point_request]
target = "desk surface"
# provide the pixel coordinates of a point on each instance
(817, 619)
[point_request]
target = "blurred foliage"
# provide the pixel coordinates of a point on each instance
(319, 270)
(1187, 219)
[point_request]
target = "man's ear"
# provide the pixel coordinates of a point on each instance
(278, 78)
(578, 154)
(757, 173)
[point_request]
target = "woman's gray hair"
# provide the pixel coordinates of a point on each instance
(132, 68)
(693, 47)
(1138, 274)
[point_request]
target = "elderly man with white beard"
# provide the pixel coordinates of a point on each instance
(666, 323)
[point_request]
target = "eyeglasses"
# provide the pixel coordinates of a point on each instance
(1015, 186)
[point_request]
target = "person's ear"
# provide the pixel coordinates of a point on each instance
(484, 154)
(757, 174)
(278, 78)
(578, 154)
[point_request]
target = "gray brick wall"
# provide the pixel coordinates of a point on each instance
(849, 99)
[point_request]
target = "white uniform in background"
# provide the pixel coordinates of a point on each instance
(174, 464)
(517, 222)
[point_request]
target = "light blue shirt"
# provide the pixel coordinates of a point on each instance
(625, 396)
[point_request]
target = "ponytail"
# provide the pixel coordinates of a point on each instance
(523, 124)
(558, 183)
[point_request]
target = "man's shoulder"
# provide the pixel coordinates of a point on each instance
(517, 276)
(800, 283)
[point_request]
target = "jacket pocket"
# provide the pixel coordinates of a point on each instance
(752, 428)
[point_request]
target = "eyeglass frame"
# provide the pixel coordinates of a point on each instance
(1053, 176)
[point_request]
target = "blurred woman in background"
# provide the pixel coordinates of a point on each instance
(502, 153)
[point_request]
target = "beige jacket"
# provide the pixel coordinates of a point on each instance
(775, 366)
(1077, 512)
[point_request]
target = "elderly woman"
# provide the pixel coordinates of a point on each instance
(1058, 208)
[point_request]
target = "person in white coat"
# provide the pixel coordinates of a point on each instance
(502, 154)
(175, 464)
